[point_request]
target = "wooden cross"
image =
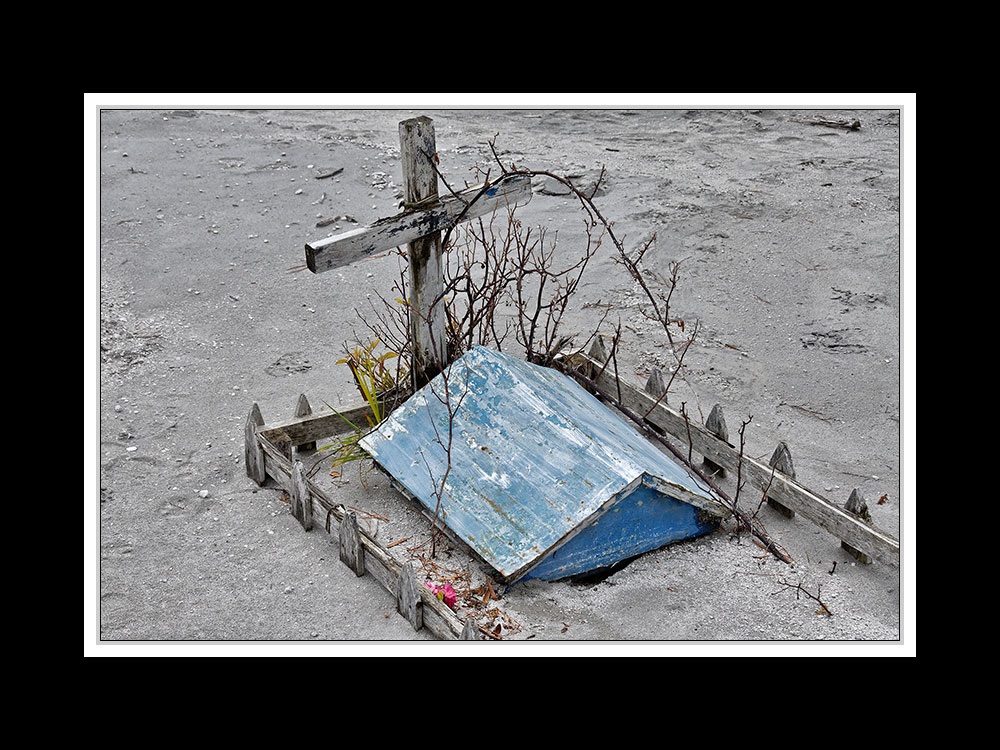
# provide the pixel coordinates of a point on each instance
(420, 227)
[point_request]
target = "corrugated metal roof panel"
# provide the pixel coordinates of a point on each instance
(533, 457)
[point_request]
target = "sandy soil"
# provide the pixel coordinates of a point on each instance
(789, 238)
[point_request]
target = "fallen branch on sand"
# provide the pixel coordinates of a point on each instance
(842, 124)
(798, 587)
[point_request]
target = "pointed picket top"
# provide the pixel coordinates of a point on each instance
(781, 460)
(716, 424)
(352, 553)
(655, 385)
(253, 454)
(303, 409)
(470, 632)
(597, 350)
(408, 601)
(857, 505)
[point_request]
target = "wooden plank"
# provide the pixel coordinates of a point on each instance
(781, 460)
(299, 430)
(253, 458)
(397, 231)
(303, 409)
(352, 553)
(857, 506)
(470, 632)
(301, 506)
(716, 424)
(812, 506)
(437, 616)
(423, 254)
(408, 601)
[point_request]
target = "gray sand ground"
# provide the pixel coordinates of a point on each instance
(789, 237)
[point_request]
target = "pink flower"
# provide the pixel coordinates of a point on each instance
(445, 593)
(449, 595)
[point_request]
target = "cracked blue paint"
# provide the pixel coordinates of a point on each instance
(545, 480)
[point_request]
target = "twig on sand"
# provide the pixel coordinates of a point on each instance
(369, 513)
(815, 597)
(842, 124)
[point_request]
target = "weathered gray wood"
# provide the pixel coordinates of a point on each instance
(716, 424)
(809, 504)
(781, 460)
(427, 332)
(303, 409)
(857, 506)
(301, 504)
(408, 601)
(253, 457)
(352, 552)
(470, 632)
(396, 231)
(313, 427)
(597, 350)
(655, 385)
(438, 616)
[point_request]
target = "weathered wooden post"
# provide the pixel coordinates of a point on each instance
(597, 352)
(253, 454)
(781, 460)
(302, 507)
(655, 387)
(408, 601)
(303, 409)
(419, 227)
(352, 552)
(716, 424)
(470, 632)
(417, 147)
(857, 507)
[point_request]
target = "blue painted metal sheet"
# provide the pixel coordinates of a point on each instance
(539, 469)
(633, 523)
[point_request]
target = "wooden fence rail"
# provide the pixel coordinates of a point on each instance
(271, 450)
(849, 527)
(268, 451)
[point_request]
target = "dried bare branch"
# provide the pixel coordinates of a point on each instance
(799, 589)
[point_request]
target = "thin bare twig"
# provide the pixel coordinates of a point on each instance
(739, 463)
(800, 589)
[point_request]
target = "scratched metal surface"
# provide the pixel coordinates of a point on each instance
(534, 458)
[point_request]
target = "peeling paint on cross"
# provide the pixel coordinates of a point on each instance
(419, 228)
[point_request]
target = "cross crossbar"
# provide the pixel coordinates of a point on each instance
(385, 234)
